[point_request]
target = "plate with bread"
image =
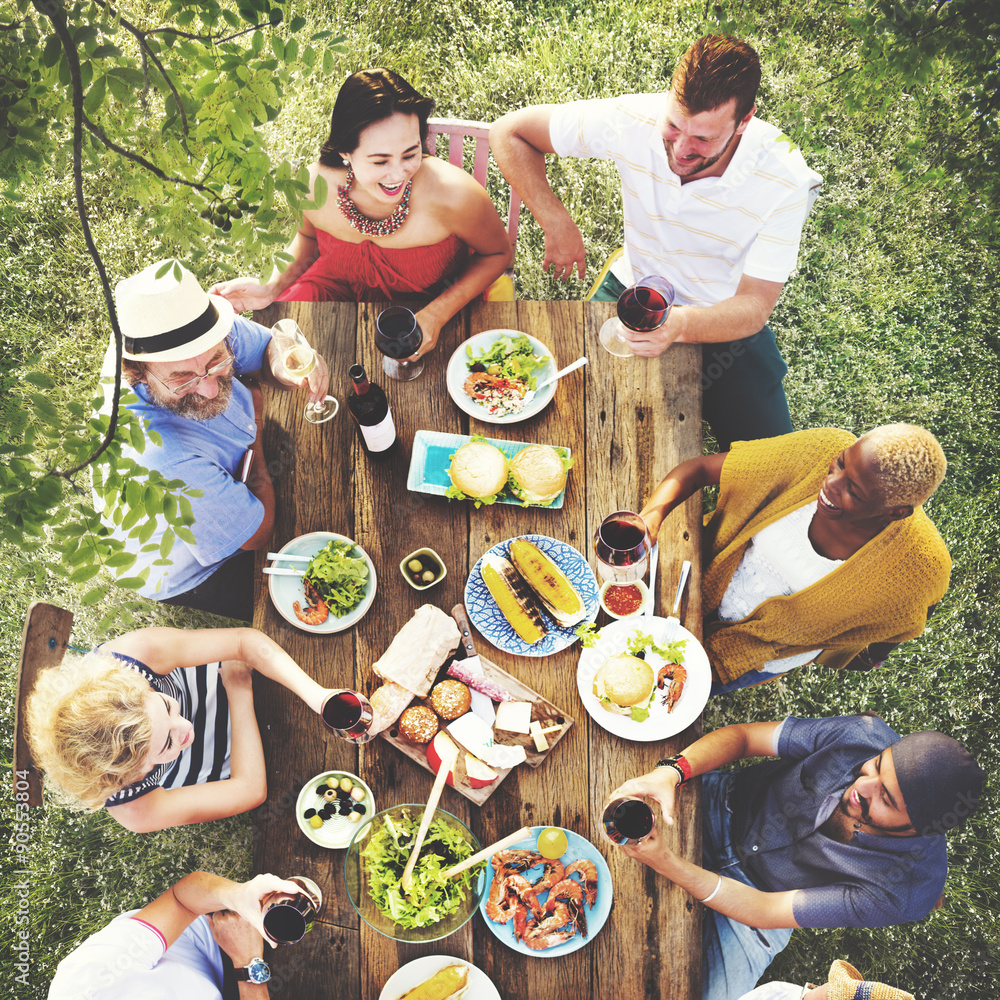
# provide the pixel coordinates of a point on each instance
(631, 689)
(433, 975)
(528, 595)
(647, 696)
(488, 471)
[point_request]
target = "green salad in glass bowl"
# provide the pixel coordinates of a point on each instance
(434, 907)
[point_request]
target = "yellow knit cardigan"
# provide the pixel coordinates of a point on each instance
(879, 594)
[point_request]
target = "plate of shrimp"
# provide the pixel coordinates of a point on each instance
(547, 908)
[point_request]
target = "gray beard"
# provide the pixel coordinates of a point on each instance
(195, 407)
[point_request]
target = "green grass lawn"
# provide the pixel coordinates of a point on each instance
(891, 316)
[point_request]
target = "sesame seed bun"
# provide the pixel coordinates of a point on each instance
(479, 469)
(624, 681)
(537, 474)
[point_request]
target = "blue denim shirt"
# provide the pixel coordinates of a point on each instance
(779, 806)
(206, 455)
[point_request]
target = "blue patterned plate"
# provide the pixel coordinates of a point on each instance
(578, 848)
(489, 619)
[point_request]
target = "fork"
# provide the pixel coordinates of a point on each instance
(673, 622)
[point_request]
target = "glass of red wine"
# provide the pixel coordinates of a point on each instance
(287, 918)
(397, 336)
(622, 545)
(642, 307)
(348, 714)
(626, 821)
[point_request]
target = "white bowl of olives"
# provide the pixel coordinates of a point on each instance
(423, 569)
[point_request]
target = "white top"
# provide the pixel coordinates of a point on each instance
(128, 959)
(779, 561)
(704, 235)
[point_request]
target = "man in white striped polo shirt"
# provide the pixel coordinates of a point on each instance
(714, 201)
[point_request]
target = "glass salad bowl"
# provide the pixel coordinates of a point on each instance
(434, 908)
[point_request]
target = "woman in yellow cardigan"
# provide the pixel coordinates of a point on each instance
(817, 549)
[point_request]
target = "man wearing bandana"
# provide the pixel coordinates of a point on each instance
(845, 828)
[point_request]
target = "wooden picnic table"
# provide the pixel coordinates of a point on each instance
(627, 421)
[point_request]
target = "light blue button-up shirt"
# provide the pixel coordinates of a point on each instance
(207, 455)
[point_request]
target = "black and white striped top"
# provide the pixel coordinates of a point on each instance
(203, 701)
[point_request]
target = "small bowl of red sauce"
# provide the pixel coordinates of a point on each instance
(624, 600)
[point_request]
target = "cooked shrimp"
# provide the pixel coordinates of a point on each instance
(556, 928)
(587, 871)
(316, 612)
(514, 861)
(552, 874)
(677, 675)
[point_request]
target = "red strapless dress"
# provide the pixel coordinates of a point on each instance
(365, 272)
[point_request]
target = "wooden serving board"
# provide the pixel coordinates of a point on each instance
(542, 711)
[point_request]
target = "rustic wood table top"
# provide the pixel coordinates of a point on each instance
(627, 421)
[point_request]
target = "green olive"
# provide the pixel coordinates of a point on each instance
(427, 575)
(414, 565)
(493, 370)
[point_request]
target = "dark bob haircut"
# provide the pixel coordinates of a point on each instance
(366, 98)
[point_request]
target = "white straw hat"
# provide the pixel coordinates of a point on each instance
(166, 319)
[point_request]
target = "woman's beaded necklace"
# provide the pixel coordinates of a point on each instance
(361, 222)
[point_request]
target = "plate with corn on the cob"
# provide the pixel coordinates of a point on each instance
(528, 595)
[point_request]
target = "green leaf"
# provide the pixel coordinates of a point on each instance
(319, 191)
(95, 96)
(52, 51)
(291, 50)
(297, 23)
(94, 595)
(278, 47)
(162, 269)
(40, 379)
(130, 582)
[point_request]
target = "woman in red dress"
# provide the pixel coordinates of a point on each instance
(396, 223)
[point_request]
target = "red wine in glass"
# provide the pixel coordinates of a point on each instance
(626, 821)
(622, 545)
(348, 715)
(397, 336)
(642, 307)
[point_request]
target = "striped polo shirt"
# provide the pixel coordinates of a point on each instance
(702, 236)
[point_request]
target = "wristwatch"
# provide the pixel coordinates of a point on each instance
(255, 971)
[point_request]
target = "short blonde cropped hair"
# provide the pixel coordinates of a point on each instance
(89, 728)
(909, 462)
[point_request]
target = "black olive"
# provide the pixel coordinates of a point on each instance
(359, 808)
(477, 367)
(309, 813)
(641, 655)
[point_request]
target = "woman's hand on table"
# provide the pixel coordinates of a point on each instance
(244, 293)
(660, 785)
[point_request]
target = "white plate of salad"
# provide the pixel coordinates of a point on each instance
(344, 576)
(493, 375)
(638, 636)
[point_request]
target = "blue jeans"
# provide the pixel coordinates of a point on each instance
(734, 955)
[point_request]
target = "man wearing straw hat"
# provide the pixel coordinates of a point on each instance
(844, 829)
(843, 983)
(170, 948)
(182, 348)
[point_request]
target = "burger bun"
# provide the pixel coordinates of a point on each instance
(537, 474)
(479, 469)
(622, 683)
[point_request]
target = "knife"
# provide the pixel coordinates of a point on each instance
(481, 705)
(673, 622)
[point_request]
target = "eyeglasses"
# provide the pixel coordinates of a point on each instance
(179, 388)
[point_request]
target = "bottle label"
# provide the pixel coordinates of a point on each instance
(379, 436)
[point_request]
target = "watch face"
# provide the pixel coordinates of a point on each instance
(258, 971)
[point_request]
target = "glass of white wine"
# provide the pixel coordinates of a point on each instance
(298, 359)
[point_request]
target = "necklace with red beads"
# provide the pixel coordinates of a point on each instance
(361, 222)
